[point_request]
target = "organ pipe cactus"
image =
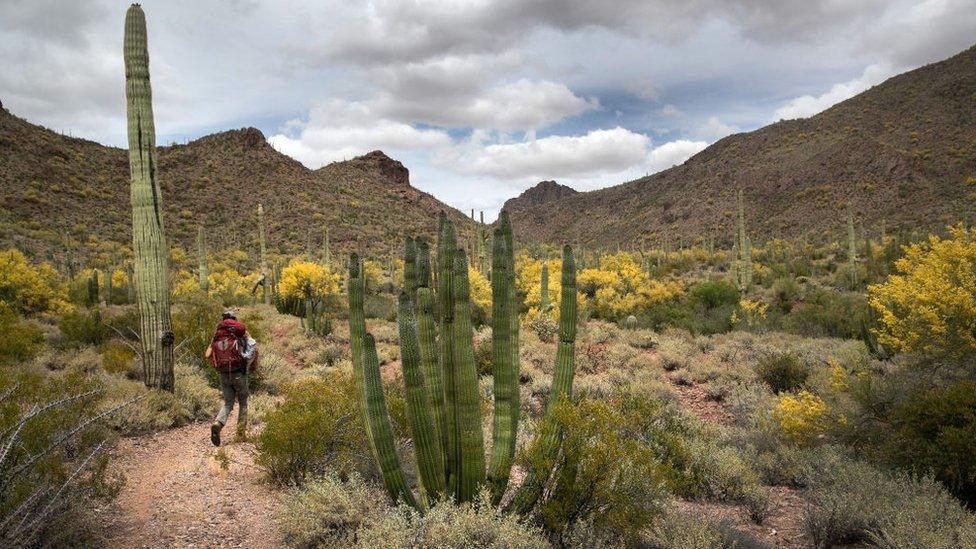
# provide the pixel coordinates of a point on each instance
(440, 376)
(202, 270)
(148, 237)
(544, 289)
(741, 269)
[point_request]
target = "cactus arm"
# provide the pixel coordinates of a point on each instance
(427, 337)
(505, 375)
(378, 428)
(544, 289)
(562, 381)
(410, 268)
(366, 373)
(506, 227)
(447, 244)
(471, 473)
(151, 254)
(430, 459)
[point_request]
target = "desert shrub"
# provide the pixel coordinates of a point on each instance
(29, 289)
(482, 351)
(379, 306)
(317, 427)
(714, 294)
(450, 526)
(935, 432)
(83, 327)
(544, 327)
(197, 398)
(151, 411)
(20, 339)
(854, 503)
(802, 417)
(928, 306)
(828, 313)
(600, 475)
(695, 530)
(54, 464)
(331, 354)
(329, 512)
(782, 371)
(786, 292)
(117, 357)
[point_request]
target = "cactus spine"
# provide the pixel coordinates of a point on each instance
(202, 270)
(440, 377)
(148, 237)
(263, 243)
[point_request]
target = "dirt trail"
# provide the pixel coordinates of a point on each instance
(177, 494)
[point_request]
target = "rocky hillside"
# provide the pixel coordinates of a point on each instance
(542, 193)
(59, 194)
(902, 152)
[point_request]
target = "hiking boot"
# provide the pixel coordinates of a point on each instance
(215, 433)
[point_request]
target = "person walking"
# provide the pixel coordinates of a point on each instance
(230, 354)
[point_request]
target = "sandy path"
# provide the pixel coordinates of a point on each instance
(177, 494)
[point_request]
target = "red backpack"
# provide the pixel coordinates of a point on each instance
(225, 349)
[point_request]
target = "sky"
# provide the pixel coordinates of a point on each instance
(479, 99)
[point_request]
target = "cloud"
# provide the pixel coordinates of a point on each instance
(716, 129)
(670, 111)
(673, 153)
(519, 105)
(808, 105)
(555, 156)
(339, 130)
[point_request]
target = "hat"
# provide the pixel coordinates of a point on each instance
(228, 314)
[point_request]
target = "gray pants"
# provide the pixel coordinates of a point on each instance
(233, 386)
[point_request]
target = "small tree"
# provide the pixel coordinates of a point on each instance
(307, 285)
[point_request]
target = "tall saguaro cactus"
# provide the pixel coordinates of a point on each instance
(440, 377)
(741, 269)
(263, 243)
(202, 271)
(148, 237)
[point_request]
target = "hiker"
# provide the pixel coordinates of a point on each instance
(233, 354)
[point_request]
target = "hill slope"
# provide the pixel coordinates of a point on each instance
(59, 194)
(901, 151)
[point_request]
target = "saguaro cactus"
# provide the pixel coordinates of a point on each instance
(544, 289)
(443, 405)
(202, 270)
(851, 247)
(148, 237)
(741, 269)
(263, 243)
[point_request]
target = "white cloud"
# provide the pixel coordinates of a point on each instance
(520, 105)
(716, 129)
(598, 151)
(808, 105)
(672, 153)
(340, 130)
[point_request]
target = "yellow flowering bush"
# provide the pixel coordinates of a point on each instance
(750, 313)
(480, 289)
(373, 274)
(528, 282)
(929, 305)
(28, 288)
(304, 280)
(620, 287)
(801, 417)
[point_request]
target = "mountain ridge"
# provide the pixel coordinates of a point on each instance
(901, 151)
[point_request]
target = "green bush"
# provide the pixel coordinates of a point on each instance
(327, 512)
(318, 427)
(714, 294)
(450, 526)
(117, 357)
(20, 339)
(935, 432)
(786, 292)
(83, 327)
(690, 530)
(853, 502)
(828, 313)
(782, 371)
(55, 459)
(601, 475)
(195, 317)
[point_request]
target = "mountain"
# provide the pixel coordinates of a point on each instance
(542, 193)
(902, 152)
(61, 194)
